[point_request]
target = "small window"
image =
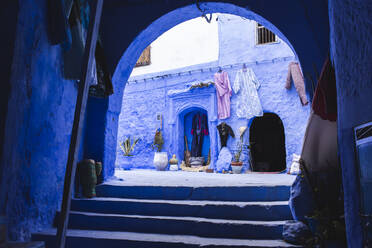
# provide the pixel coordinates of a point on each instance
(265, 36)
(145, 58)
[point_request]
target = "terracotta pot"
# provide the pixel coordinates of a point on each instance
(236, 167)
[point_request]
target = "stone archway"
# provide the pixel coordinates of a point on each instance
(134, 50)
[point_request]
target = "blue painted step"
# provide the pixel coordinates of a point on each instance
(99, 239)
(203, 227)
(265, 211)
(243, 193)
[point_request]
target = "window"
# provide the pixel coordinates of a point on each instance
(264, 36)
(145, 58)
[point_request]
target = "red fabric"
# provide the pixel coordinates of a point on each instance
(325, 97)
(205, 131)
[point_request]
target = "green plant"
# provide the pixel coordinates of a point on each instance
(158, 141)
(240, 145)
(127, 147)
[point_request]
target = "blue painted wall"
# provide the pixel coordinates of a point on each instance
(351, 34)
(144, 99)
(38, 126)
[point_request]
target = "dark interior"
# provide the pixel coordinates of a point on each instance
(267, 143)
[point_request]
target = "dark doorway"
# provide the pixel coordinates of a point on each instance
(267, 141)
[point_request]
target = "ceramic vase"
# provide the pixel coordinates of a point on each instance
(161, 160)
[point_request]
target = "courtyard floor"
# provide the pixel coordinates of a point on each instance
(197, 179)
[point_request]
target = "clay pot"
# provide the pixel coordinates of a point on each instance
(98, 168)
(161, 160)
(88, 177)
(236, 167)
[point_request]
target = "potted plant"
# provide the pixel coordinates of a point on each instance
(237, 164)
(127, 147)
(160, 158)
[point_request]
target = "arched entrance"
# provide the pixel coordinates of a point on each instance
(267, 141)
(123, 47)
(130, 56)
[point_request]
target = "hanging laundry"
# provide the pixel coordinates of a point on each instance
(199, 129)
(222, 84)
(225, 130)
(325, 97)
(294, 72)
(246, 84)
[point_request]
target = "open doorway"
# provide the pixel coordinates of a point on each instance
(196, 133)
(267, 142)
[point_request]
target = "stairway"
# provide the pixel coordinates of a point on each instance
(169, 216)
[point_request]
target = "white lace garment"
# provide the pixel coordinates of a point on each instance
(246, 86)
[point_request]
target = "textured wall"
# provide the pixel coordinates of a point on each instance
(143, 100)
(238, 42)
(38, 127)
(351, 34)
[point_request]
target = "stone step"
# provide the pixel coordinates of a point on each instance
(99, 239)
(203, 227)
(225, 193)
(265, 211)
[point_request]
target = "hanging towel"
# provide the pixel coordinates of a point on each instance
(294, 72)
(246, 86)
(222, 84)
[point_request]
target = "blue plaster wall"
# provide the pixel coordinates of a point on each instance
(38, 126)
(351, 34)
(144, 99)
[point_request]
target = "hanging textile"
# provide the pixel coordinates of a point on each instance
(325, 97)
(73, 57)
(225, 130)
(223, 88)
(199, 129)
(246, 84)
(294, 72)
(58, 31)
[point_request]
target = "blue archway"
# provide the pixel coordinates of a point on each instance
(155, 29)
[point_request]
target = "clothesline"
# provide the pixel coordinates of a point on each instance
(211, 69)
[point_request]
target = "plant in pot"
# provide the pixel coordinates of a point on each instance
(127, 146)
(160, 158)
(237, 164)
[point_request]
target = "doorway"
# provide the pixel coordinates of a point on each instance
(267, 141)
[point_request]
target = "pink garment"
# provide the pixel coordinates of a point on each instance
(222, 84)
(298, 80)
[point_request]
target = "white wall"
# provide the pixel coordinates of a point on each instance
(189, 43)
